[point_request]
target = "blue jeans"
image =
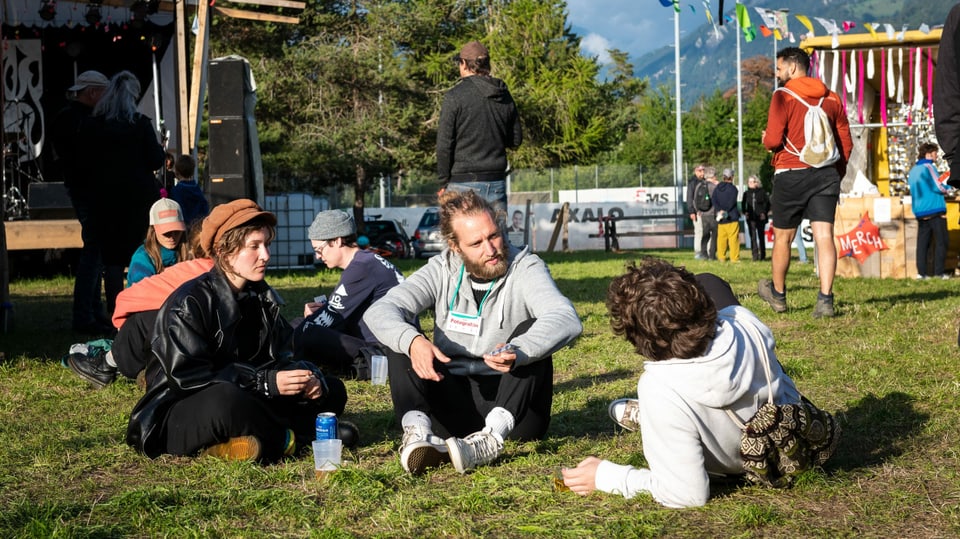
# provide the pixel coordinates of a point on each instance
(494, 192)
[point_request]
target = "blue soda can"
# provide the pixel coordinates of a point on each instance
(327, 426)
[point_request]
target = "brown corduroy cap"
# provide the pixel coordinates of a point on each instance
(473, 50)
(226, 217)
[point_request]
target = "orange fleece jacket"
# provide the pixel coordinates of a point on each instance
(150, 293)
(785, 120)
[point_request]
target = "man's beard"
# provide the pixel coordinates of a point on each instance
(478, 269)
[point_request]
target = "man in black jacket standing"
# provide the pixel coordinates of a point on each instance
(478, 122)
(755, 206)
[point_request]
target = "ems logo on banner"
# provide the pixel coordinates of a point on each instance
(862, 241)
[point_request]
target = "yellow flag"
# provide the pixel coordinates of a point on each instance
(806, 22)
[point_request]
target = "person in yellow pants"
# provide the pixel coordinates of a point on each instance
(728, 217)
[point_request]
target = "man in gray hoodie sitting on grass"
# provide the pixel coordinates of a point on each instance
(488, 373)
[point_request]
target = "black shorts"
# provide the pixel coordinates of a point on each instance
(810, 193)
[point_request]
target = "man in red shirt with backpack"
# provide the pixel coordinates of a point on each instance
(807, 173)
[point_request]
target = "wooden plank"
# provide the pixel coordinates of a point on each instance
(43, 234)
(560, 225)
(198, 79)
(273, 3)
(183, 98)
(254, 16)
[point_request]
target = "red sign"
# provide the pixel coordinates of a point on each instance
(862, 241)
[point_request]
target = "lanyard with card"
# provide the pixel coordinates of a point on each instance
(468, 324)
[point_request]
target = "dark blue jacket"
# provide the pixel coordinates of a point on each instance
(725, 198)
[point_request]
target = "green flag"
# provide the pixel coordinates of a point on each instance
(743, 20)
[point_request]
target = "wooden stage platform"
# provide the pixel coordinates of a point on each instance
(43, 234)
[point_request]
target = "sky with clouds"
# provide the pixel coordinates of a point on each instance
(634, 26)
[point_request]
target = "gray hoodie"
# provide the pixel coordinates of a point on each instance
(526, 291)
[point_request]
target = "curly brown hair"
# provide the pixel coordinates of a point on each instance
(662, 310)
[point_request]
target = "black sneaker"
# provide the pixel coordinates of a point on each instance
(93, 369)
(348, 433)
(360, 369)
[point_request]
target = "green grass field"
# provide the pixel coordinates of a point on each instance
(887, 365)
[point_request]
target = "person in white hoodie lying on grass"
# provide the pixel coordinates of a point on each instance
(701, 360)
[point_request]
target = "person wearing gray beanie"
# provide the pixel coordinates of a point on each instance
(332, 224)
(332, 332)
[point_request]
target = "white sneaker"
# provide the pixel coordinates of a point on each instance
(482, 447)
(626, 413)
(421, 449)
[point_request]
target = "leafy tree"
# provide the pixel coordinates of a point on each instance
(567, 115)
(653, 140)
(354, 90)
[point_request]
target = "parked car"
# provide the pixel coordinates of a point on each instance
(388, 237)
(427, 240)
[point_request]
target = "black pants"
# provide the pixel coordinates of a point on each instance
(326, 347)
(936, 227)
(708, 241)
(131, 347)
(458, 405)
(717, 289)
(758, 244)
(223, 411)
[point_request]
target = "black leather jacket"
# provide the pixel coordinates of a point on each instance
(196, 344)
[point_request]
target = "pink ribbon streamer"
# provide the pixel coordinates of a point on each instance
(910, 87)
(930, 83)
(860, 73)
(883, 88)
(843, 80)
(813, 63)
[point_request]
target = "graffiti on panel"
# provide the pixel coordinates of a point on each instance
(23, 133)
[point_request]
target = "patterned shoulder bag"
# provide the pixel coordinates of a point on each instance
(782, 440)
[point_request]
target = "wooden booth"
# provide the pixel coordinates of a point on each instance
(886, 84)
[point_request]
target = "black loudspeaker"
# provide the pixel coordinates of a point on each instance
(49, 200)
(226, 88)
(228, 147)
(226, 188)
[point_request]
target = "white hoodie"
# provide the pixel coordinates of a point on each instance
(686, 432)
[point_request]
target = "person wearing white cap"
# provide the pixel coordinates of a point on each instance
(165, 244)
(121, 150)
(728, 217)
(88, 312)
(333, 333)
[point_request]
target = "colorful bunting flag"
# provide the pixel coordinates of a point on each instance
(806, 23)
(781, 17)
(767, 15)
(870, 28)
(743, 20)
(848, 25)
(674, 3)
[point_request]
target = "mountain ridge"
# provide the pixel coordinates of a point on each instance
(708, 64)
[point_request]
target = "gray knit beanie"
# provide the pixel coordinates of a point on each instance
(331, 224)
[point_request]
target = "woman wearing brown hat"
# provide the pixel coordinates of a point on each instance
(224, 383)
